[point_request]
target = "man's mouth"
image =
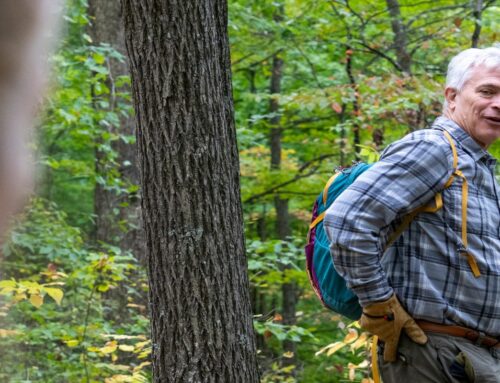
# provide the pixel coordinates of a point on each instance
(493, 119)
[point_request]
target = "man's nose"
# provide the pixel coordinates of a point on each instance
(496, 102)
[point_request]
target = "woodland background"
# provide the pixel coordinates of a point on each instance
(317, 84)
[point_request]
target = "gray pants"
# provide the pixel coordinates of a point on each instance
(444, 359)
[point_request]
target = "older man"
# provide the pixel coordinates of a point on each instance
(434, 297)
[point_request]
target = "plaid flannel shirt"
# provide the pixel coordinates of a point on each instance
(424, 266)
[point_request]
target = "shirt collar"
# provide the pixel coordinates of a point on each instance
(465, 140)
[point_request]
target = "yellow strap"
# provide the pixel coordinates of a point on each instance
(453, 149)
(455, 158)
(428, 208)
(375, 372)
(465, 195)
(438, 204)
(406, 222)
(313, 224)
(473, 265)
(318, 219)
(325, 189)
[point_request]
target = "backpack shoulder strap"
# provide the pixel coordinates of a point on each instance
(455, 158)
(439, 204)
(465, 194)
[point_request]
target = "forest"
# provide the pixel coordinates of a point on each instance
(155, 249)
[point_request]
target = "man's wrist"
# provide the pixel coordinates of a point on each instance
(372, 295)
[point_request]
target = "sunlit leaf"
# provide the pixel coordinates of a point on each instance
(36, 300)
(55, 294)
(126, 347)
(72, 342)
(351, 336)
(360, 342)
(109, 347)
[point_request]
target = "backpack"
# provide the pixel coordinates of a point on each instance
(328, 285)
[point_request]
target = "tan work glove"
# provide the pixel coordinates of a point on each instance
(386, 320)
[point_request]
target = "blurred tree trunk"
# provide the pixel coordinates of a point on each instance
(477, 12)
(110, 208)
(400, 36)
(283, 231)
(356, 129)
(189, 164)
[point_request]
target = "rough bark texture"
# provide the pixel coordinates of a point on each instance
(283, 231)
(199, 292)
(400, 38)
(107, 27)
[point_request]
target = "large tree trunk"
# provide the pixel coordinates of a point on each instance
(199, 293)
(109, 208)
(400, 38)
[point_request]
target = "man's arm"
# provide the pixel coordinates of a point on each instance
(410, 172)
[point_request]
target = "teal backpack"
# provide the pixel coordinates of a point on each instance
(328, 285)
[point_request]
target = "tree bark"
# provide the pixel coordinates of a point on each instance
(400, 37)
(107, 27)
(199, 291)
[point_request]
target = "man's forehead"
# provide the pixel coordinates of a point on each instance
(484, 75)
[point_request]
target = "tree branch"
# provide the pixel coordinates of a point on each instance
(297, 177)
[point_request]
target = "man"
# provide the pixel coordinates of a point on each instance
(434, 297)
(25, 29)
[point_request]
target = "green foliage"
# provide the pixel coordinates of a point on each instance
(81, 120)
(70, 336)
(323, 103)
(73, 310)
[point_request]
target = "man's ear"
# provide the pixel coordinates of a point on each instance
(450, 94)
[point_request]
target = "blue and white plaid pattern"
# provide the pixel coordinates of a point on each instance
(425, 266)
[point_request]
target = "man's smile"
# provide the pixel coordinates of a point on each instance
(493, 120)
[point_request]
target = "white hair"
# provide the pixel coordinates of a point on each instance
(461, 66)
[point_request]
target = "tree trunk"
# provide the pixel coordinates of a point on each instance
(109, 208)
(478, 7)
(400, 38)
(199, 291)
(355, 105)
(281, 205)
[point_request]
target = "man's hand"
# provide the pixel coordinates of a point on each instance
(386, 320)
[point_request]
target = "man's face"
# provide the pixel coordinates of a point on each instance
(476, 108)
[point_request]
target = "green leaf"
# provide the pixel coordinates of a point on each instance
(8, 283)
(55, 294)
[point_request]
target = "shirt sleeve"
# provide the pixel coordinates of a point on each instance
(408, 175)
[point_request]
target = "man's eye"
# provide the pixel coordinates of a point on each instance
(486, 92)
